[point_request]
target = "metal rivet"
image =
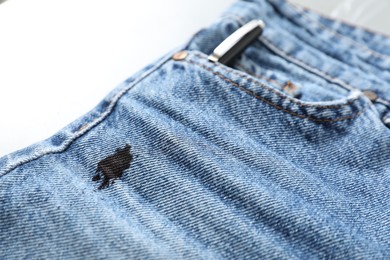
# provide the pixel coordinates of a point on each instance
(370, 94)
(181, 55)
(386, 121)
(289, 87)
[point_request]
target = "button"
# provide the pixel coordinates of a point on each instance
(181, 55)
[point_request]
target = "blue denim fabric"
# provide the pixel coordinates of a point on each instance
(280, 156)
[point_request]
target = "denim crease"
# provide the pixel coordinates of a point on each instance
(281, 155)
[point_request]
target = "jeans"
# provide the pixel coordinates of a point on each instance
(284, 154)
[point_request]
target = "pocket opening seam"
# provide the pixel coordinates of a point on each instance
(279, 94)
(274, 91)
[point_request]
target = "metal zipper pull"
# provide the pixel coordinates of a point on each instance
(227, 50)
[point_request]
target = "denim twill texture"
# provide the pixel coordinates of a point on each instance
(280, 156)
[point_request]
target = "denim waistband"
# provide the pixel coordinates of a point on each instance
(340, 54)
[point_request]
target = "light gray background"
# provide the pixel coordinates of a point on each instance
(58, 59)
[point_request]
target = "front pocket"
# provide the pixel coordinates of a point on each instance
(343, 108)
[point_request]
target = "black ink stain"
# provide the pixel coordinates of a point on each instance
(112, 167)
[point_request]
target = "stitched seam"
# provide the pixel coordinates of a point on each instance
(305, 65)
(361, 58)
(278, 93)
(316, 71)
(259, 76)
(272, 104)
(341, 20)
(340, 36)
(98, 119)
(283, 87)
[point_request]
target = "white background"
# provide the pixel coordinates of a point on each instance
(58, 59)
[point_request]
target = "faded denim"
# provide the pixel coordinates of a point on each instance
(281, 156)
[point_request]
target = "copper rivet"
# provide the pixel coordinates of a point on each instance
(181, 55)
(289, 87)
(370, 94)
